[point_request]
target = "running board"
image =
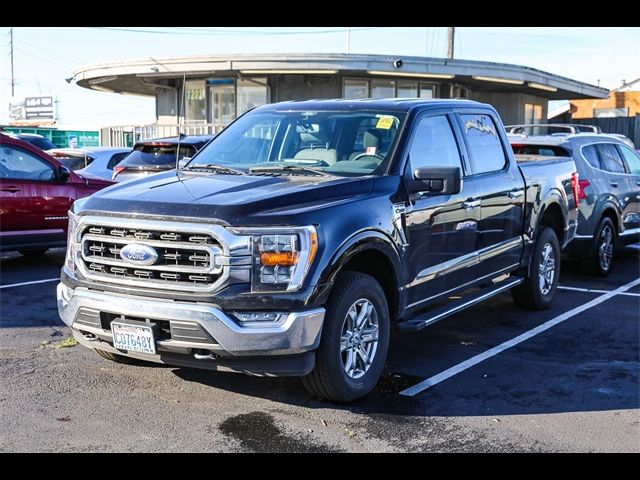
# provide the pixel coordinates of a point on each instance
(417, 324)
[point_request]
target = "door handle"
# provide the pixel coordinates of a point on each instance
(638, 183)
(10, 189)
(614, 184)
(515, 193)
(471, 203)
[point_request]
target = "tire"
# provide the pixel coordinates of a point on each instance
(329, 379)
(600, 259)
(117, 358)
(537, 291)
(36, 252)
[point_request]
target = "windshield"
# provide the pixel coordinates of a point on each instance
(157, 156)
(334, 142)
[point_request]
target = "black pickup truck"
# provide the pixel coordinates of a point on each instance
(297, 238)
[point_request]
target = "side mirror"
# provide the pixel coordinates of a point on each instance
(437, 180)
(62, 174)
(183, 162)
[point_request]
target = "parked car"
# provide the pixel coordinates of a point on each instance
(91, 161)
(304, 231)
(157, 155)
(36, 192)
(609, 192)
(34, 139)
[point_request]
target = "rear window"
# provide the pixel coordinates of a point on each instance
(74, 162)
(41, 143)
(157, 155)
(543, 150)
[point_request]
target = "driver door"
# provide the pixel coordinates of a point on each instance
(32, 200)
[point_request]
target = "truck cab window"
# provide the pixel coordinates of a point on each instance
(434, 144)
(483, 142)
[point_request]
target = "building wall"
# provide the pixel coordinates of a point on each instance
(166, 107)
(297, 87)
(511, 106)
(585, 108)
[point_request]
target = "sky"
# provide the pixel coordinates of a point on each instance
(44, 57)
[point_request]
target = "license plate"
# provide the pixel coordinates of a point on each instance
(134, 338)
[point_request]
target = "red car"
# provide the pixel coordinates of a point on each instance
(36, 191)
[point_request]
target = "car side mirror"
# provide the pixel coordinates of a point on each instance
(436, 180)
(62, 174)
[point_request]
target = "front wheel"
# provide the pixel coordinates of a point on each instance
(536, 293)
(355, 340)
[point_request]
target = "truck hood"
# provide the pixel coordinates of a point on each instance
(231, 199)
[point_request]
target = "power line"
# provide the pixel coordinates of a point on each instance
(40, 58)
(40, 48)
(220, 32)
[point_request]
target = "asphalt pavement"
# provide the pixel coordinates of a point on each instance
(494, 378)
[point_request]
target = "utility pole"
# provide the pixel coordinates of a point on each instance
(450, 41)
(13, 79)
(348, 40)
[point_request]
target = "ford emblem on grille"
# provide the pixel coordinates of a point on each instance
(139, 254)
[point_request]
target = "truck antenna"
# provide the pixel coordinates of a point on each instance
(180, 115)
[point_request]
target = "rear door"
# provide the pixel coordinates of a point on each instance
(632, 163)
(32, 199)
(441, 229)
(616, 181)
(501, 191)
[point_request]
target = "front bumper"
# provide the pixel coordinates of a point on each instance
(198, 331)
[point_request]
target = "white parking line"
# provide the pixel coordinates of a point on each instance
(29, 283)
(461, 367)
(591, 290)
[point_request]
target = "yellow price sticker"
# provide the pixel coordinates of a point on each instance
(385, 123)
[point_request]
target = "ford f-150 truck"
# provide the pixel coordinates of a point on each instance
(298, 237)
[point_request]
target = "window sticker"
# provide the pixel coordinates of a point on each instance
(371, 150)
(385, 123)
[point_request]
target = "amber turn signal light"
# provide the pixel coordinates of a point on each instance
(283, 259)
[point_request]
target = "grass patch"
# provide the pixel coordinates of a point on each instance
(67, 342)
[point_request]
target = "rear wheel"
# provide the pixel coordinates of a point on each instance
(34, 252)
(536, 293)
(601, 258)
(354, 343)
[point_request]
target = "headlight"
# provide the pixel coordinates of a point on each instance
(72, 242)
(281, 257)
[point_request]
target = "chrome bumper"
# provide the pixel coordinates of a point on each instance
(299, 331)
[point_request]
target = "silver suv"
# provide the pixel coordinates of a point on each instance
(609, 177)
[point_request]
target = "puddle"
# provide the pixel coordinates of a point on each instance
(258, 432)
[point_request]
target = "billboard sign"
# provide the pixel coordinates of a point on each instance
(39, 108)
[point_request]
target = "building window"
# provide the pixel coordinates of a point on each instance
(383, 88)
(356, 88)
(252, 92)
(532, 113)
(427, 90)
(196, 105)
(222, 92)
(407, 89)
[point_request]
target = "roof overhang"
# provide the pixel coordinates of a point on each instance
(148, 76)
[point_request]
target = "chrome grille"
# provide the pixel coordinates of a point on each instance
(185, 259)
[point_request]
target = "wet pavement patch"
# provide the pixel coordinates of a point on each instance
(258, 432)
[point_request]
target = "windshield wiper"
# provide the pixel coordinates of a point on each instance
(287, 169)
(212, 167)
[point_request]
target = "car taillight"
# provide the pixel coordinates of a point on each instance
(117, 170)
(582, 184)
(575, 186)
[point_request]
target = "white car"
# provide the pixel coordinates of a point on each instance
(91, 161)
